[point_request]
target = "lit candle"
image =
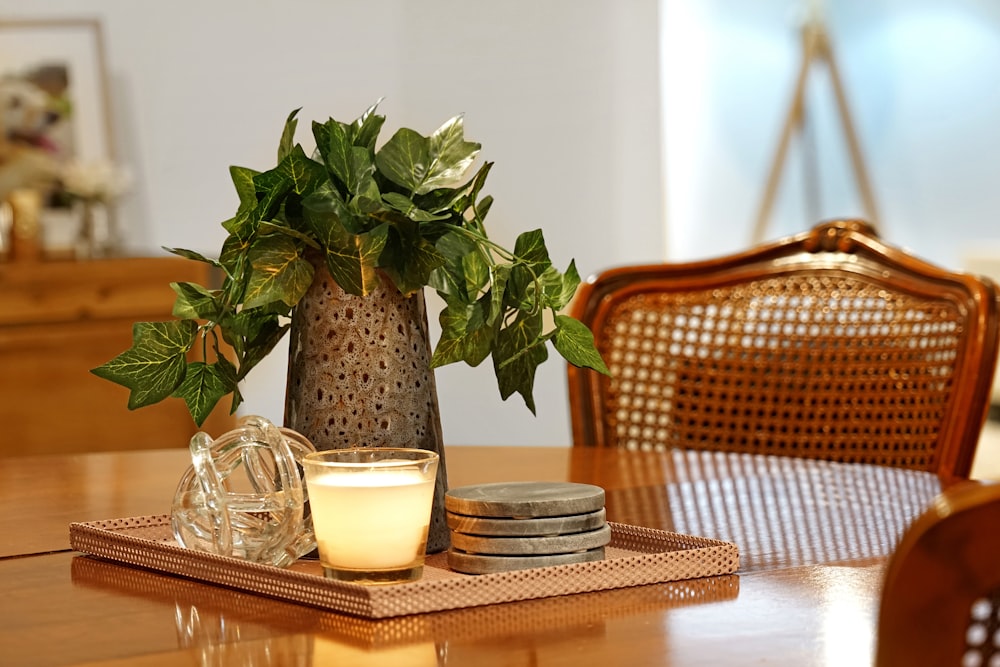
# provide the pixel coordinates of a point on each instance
(374, 520)
(371, 517)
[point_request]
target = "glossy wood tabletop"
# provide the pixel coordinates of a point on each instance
(813, 539)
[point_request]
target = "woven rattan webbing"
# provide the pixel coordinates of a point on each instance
(782, 366)
(806, 354)
(982, 639)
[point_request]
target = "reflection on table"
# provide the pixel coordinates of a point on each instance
(217, 620)
(780, 511)
(813, 538)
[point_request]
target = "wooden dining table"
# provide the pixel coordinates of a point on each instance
(813, 539)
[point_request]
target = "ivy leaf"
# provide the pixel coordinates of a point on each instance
(194, 302)
(465, 335)
(560, 293)
(575, 342)
(361, 169)
(191, 254)
(407, 207)
(252, 334)
(288, 135)
(477, 273)
(203, 387)
(234, 261)
(452, 155)
(557, 289)
(450, 279)
(243, 223)
(351, 164)
(273, 186)
(368, 199)
(498, 293)
(408, 258)
(323, 208)
(268, 227)
(422, 164)
(296, 173)
(229, 374)
(321, 133)
(450, 347)
(155, 364)
(362, 133)
(277, 274)
(531, 262)
(353, 264)
(447, 351)
(465, 271)
(366, 128)
(225, 368)
(480, 334)
(336, 149)
(520, 289)
(268, 333)
(405, 159)
(517, 355)
(483, 207)
(245, 188)
(445, 203)
(530, 249)
(470, 192)
(351, 258)
(302, 172)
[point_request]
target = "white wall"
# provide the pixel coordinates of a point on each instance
(562, 94)
(566, 97)
(922, 81)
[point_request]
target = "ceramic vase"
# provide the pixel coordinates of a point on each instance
(359, 375)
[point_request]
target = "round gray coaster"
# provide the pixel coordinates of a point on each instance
(506, 527)
(479, 564)
(524, 499)
(524, 546)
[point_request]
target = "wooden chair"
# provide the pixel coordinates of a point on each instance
(828, 344)
(941, 593)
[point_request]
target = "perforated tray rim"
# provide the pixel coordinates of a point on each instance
(636, 556)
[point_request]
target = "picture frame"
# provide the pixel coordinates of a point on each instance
(56, 104)
(77, 45)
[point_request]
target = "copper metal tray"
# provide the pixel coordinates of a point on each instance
(636, 556)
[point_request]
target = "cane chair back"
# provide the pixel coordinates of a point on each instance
(828, 344)
(941, 592)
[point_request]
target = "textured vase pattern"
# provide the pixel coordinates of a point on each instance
(359, 375)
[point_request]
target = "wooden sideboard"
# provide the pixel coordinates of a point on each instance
(59, 319)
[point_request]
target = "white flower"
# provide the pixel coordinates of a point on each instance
(97, 181)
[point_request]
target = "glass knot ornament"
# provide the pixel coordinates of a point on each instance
(243, 495)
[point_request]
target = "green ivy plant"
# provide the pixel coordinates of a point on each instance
(403, 209)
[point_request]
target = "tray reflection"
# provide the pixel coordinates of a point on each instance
(212, 620)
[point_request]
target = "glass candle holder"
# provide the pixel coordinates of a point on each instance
(371, 509)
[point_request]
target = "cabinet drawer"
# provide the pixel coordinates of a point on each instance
(58, 321)
(133, 288)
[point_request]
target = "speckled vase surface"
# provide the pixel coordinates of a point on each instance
(359, 376)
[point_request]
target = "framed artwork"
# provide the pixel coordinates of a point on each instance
(65, 60)
(56, 131)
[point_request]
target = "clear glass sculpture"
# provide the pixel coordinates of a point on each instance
(244, 495)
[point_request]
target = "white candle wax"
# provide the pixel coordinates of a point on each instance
(371, 520)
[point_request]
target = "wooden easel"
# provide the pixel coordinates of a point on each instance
(815, 47)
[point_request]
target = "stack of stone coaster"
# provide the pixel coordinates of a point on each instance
(520, 525)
